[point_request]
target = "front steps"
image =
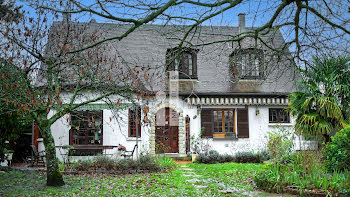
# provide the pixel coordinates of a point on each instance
(177, 156)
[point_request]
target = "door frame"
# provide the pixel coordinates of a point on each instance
(181, 128)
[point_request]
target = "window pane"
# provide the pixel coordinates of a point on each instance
(256, 67)
(86, 127)
(244, 65)
(278, 115)
(231, 121)
(226, 114)
(220, 121)
(189, 58)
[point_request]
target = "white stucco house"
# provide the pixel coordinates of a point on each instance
(228, 93)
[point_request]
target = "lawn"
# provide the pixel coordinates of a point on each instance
(234, 178)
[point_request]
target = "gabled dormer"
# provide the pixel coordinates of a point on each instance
(247, 64)
(184, 61)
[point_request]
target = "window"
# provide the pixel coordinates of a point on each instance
(221, 123)
(224, 122)
(135, 122)
(278, 115)
(86, 127)
(247, 63)
(185, 62)
(86, 130)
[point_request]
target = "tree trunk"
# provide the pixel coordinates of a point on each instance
(53, 173)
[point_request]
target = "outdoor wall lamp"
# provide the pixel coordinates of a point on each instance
(199, 109)
(257, 111)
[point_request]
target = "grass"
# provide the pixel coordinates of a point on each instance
(173, 183)
(233, 174)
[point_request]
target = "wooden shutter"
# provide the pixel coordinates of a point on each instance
(71, 137)
(207, 121)
(134, 121)
(242, 123)
(194, 65)
(130, 123)
(138, 122)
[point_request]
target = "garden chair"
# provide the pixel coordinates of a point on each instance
(38, 156)
(129, 154)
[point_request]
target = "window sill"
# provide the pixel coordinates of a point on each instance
(225, 138)
(133, 138)
(280, 124)
(186, 79)
(251, 79)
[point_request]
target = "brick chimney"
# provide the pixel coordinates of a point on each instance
(67, 17)
(241, 23)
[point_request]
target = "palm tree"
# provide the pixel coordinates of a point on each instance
(316, 115)
(321, 107)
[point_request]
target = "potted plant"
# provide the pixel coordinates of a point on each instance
(10, 154)
(121, 149)
(195, 146)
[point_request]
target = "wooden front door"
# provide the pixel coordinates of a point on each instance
(167, 131)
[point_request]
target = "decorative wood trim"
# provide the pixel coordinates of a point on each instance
(220, 101)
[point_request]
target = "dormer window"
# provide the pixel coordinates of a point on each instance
(184, 61)
(247, 63)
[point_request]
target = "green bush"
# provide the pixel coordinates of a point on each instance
(302, 170)
(103, 162)
(107, 163)
(268, 179)
(337, 152)
(166, 163)
(265, 155)
(248, 157)
(280, 144)
(241, 157)
(204, 158)
(82, 165)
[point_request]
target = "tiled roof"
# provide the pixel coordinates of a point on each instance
(147, 46)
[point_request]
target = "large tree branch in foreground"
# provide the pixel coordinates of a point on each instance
(72, 107)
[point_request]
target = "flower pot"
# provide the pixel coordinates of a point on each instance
(194, 157)
(9, 156)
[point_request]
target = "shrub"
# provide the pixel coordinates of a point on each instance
(280, 144)
(337, 152)
(228, 158)
(82, 165)
(214, 156)
(240, 157)
(166, 163)
(104, 162)
(265, 155)
(247, 157)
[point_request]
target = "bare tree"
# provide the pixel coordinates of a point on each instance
(52, 82)
(310, 27)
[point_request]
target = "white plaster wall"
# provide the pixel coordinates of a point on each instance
(258, 127)
(115, 132)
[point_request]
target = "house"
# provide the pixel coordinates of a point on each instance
(228, 93)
